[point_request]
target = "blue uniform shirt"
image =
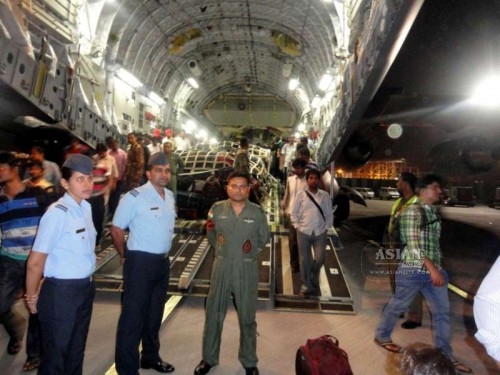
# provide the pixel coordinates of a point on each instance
(149, 218)
(66, 233)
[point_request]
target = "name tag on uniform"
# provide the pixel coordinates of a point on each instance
(154, 208)
(80, 230)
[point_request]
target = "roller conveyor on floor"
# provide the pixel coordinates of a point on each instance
(191, 259)
(334, 297)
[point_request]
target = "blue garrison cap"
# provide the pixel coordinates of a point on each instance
(79, 163)
(158, 158)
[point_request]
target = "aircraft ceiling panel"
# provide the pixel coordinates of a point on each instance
(237, 46)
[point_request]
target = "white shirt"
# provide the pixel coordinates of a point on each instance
(182, 144)
(306, 217)
(294, 185)
(289, 151)
(487, 311)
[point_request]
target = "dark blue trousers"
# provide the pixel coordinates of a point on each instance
(65, 310)
(145, 281)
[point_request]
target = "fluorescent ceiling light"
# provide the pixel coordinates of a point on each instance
(193, 82)
(202, 134)
(128, 78)
(293, 84)
(156, 98)
(325, 81)
(315, 102)
(189, 126)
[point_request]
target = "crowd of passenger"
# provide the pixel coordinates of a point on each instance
(52, 221)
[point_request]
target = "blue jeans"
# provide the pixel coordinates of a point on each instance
(309, 267)
(409, 282)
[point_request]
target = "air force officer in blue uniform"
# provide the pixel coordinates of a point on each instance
(148, 212)
(63, 252)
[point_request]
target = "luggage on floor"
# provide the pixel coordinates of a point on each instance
(322, 356)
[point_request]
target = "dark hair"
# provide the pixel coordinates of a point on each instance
(299, 147)
(422, 359)
(410, 178)
(303, 139)
(304, 152)
(313, 171)
(38, 149)
(237, 174)
(109, 139)
(9, 158)
(35, 163)
(244, 142)
(428, 180)
(101, 147)
(299, 163)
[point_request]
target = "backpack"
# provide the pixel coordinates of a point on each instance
(394, 240)
(322, 356)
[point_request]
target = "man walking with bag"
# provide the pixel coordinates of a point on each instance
(311, 216)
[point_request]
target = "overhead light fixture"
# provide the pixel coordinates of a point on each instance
(325, 81)
(293, 84)
(315, 102)
(128, 78)
(189, 126)
(486, 92)
(287, 69)
(301, 127)
(202, 134)
(193, 83)
(156, 98)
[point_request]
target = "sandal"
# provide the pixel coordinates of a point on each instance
(460, 367)
(14, 346)
(389, 346)
(32, 363)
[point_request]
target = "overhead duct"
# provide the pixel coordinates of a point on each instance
(194, 68)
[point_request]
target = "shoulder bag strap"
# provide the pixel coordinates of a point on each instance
(315, 203)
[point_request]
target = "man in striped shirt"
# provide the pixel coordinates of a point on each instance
(21, 208)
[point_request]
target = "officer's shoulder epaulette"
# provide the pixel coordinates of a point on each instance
(134, 192)
(219, 203)
(62, 207)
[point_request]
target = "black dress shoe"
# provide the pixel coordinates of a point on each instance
(251, 371)
(202, 368)
(410, 324)
(159, 366)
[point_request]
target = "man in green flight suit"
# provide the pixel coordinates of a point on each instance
(238, 231)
